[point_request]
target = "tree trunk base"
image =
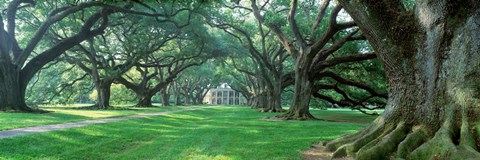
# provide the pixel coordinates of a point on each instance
(144, 105)
(398, 140)
(98, 107)
(272, 110)
(295, 115)
(26, 110)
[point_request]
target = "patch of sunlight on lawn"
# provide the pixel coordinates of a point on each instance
(184, 116)
(90, 114)
(198, 154)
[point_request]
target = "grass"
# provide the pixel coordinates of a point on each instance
(221, 133)
(66, 114)
(343, 115)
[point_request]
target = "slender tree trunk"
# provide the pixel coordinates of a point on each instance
(198, 99)
(434, 84)
(165, 97)
(103, 94)
(177, 100)
(176, 94)
(299, 110)
(188, 99)
(12, 90)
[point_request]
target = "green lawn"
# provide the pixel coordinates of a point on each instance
(216, 133)
(68, 114)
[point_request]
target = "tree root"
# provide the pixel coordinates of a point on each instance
(417, 137)
(333, 145)
(368, 138)
(449, 142)
(272, 110)
(24, 109)
(399, 140)
(96, 107)
(383, 146)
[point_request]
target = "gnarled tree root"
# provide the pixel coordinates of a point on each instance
(272, 110)
(96, 107)
(400, 140)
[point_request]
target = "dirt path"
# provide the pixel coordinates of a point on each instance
(53, 127)
(317, 152)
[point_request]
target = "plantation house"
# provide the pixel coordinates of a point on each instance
(224, 95)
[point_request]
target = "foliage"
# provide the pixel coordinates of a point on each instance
(59, 83)
(119, 95)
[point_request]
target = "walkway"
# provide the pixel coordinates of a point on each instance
(53, 127)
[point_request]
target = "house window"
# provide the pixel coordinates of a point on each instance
(225, 93)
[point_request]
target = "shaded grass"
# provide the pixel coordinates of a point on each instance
(69, 114)
(216, 133)
(343, 115)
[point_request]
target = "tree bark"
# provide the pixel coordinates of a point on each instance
(103, 94)
(274, 101)
(165, 97)
(188, 99)
(17, 72)
(299, 110)
(145, 100)
(259, 101)
(433, 74)
(12, 90)
(176, 94)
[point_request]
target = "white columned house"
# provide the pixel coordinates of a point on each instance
(224, 95)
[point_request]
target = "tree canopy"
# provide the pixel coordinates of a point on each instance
(417, 59)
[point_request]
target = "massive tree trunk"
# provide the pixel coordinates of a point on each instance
(12, 90)
(259, 101)
(144, 100)
(18, 66)
(103, 94)
(433, 73)
(299, 110)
